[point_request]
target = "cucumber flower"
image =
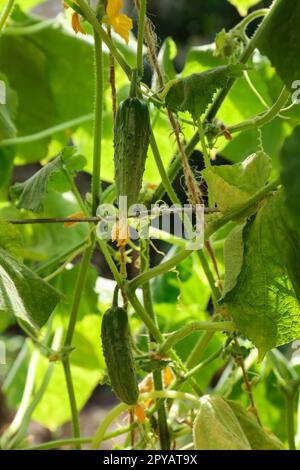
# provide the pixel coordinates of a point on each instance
(121, 23)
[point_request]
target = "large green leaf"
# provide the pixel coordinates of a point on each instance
(290, 175)
(281, 40)
(265, 301)
(11, 239)
(32, 192)
(195, 92)
(24, 294)
(87, 367)
(243, 5)
(8, 110)
(217, 428)
(232, 185)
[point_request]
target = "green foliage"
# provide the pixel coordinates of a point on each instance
(195, 92)
(233, 257)
(24, 294)
(265, 301)
(7, 112)
(281, 39)
(11, 239)
(232, 185)
(290, 161)
(31, 193)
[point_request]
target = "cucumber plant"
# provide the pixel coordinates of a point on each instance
(197, 341)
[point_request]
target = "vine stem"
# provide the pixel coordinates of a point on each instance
(118, 410)
(141, 30)
(265, 118)
(157, 374)
(98, 122)
(187, 330)
(27, 139)
(85, 262)
(290, 420)
(251, 17)
(6, 12)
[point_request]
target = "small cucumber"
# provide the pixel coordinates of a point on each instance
(131, 142)
(118, 356)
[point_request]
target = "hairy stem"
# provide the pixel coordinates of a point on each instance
(6, 12)
(98, 123)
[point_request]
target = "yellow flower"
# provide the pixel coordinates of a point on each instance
(121, 23)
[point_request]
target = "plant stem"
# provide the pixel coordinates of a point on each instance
(166, 183)
(199, 348)
(140, 43)
(160, 269)
(75, 191)
(187, 330)
(6, 12)
(92, 19)
(251, 17)
(27, 139)
(72, 401)
(97, 123)
(290, 420)
(157, 374)
(205, 153)
(262, 119)
(115, 412)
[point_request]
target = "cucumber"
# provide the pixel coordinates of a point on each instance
(131, 142)
(118, 356)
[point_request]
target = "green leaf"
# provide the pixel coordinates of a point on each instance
(233, 257)
(217, 428)
(11, 239)
(243, 5)
(8, 110)
(281, 41)
(7, 160)
(290, 173)
(24, 294)
(265, 301)
(195, 92)
(258, 438)
(232, 185)
(87, 367)
(32, 192)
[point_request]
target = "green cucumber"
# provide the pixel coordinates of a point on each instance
(116, 343)
(131, 142)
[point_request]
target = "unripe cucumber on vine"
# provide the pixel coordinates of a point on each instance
(131, 142)
(116, 344)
